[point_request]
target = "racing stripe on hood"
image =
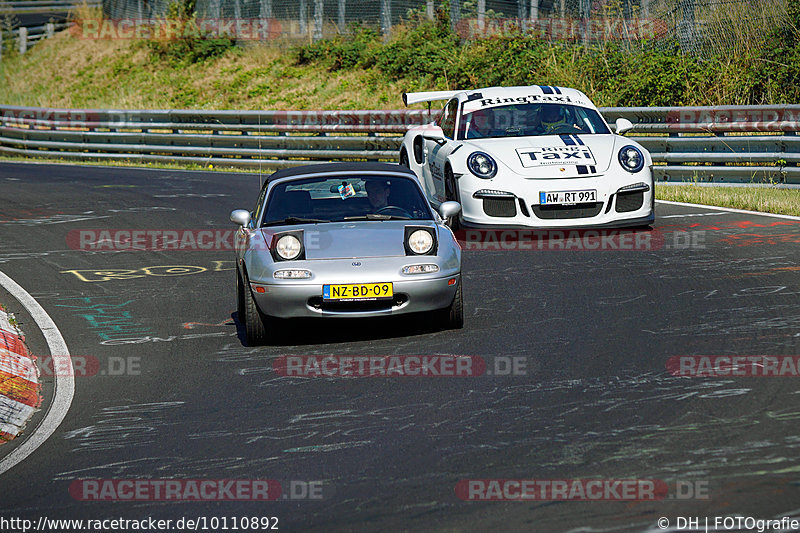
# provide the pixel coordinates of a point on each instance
(566, 139)
(591, 169)
(545, 89)
(557, 90)
(582, 169)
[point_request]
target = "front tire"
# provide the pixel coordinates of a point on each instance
(254, 321)
(239, 296)
(452, 317)
(404, 159)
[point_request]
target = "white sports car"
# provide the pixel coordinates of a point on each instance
(535, 156)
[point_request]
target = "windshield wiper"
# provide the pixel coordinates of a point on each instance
(294, 220)
(376, 216)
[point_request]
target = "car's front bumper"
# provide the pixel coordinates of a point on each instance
(527, 212)
(617, 223)
(295, 300)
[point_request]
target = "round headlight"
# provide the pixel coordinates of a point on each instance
(420, 242)
(631, 158)
(482, 165)
(288, 247)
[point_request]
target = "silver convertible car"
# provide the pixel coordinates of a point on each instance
(345, 240)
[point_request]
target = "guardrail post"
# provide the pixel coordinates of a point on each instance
(481, 14)
(585, 9)
(455, 12)
(318, 7)
(23, 39)
(50, 30)
(686, 27)
(303, 15)
(266, 9)
(1, 44)
(429, 9)
(534, 12)
(386, 19)
(341, 16)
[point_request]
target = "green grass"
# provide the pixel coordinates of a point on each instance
(127, 74)
(764, 199)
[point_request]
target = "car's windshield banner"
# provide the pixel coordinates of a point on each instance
(486, 103)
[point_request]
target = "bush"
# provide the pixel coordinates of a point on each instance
(426, 55)
(343, 52)
(189, 50)
(190, 45)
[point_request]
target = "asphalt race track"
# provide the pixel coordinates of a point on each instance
(591, 330)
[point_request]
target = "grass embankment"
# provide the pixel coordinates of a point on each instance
(76, 73)
(764, 199)
(359, 70)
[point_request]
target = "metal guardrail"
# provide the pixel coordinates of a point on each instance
(709, 144)
(42, 6)
(718, 144)
(26, 36)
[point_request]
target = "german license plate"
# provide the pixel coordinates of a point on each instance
(567, 197)
(357, 292)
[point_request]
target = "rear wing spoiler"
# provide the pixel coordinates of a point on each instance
(430, 96)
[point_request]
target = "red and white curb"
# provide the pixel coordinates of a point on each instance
(64, 382)
(19, 380)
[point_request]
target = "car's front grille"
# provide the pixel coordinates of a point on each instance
(500, 207)
(550, 212)
(629, 201)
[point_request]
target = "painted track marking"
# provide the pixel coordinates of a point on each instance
(729, 209)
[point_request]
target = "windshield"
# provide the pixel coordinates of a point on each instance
(519, 120)
(326, 199)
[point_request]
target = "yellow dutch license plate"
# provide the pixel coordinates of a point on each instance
(357, 292)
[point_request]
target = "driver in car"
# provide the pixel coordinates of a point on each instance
(378, 193)
(553, 120)
(479, 125)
